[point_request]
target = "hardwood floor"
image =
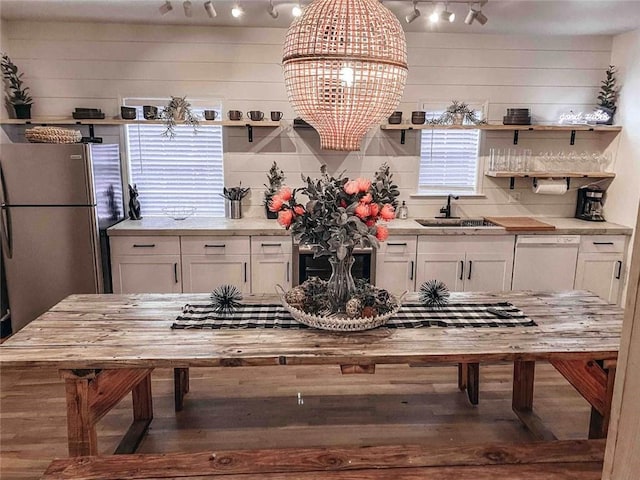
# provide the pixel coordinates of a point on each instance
(285, 407)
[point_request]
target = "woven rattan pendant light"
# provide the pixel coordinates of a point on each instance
(345, 67)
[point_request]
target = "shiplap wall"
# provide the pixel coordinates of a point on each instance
(95, 65)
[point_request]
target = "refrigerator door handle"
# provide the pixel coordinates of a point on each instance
(5, 219)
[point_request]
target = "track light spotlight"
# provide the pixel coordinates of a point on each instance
(446, 15)
(210, 9)
(414, 14)
(296, 11)
(237, 11)
(434, 17)
(271, 10)
(475, 15)
(165, 8)
(188, 12)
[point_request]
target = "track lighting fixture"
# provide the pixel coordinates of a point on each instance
(210, 9)
(188, 12)
(237, 11)
(415, 13)
(296, 11)
(446, 15)
(271, 10)
(434, 17)
(476, 15)
(165, 8)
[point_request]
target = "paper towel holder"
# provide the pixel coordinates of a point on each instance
(568, 180)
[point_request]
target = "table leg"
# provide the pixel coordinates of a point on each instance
(599, 422)
(473, 382)
(81, 430)
(522, 400)
(142, 416)
(462, 376)
(180, 386)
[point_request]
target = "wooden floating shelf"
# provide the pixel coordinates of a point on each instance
(403, 127)
(551, 174)
(91, 123)
(535, 175)
(499, 127)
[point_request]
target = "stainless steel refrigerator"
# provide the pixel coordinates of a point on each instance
(57, 202)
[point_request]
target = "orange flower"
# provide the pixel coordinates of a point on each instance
(382, 233)
(351, 187)
(285, 193)
(276, 203)
(387, 212)
(285, 217)
(375, 209)
(367, 198)
(299, 209)
(363, 184)
(362, 211)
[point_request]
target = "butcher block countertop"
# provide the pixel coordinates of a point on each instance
(262, 226)
(522, 224)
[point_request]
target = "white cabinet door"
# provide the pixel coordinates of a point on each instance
(146, 274)
(396, 273)
(203, 273)
(446, 267)
(601, 274)
(270, 263)
(488, 272)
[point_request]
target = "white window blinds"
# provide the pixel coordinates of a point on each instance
(186, 171)
(449, 161)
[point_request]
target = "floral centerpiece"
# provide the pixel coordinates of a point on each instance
(339, 215)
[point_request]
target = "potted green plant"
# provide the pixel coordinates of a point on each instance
(458, 113)
(275, 178)
(18, 95)
(608, 95)
(178, 110)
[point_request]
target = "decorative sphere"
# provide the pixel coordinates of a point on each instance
(353, 307)
(345, 68)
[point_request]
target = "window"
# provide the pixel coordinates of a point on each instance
(448, 159)
(186, 171)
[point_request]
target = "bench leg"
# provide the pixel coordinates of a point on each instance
(462, 376)
(180, 386)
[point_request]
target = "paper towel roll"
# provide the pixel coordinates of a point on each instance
(550, 187)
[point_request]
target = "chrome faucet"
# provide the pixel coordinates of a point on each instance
(446, 210)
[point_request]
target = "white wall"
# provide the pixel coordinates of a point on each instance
(70, 65)
(623, 196)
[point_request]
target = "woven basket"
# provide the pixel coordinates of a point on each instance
(52, 135)
(339, 322)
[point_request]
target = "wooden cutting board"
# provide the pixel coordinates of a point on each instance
(523, 224)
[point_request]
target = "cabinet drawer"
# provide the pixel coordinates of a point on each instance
(158, 245)
(271, 245)
(215, 245)
(399, 245)
(603, 243)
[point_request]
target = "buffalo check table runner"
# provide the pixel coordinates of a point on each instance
(411, 315)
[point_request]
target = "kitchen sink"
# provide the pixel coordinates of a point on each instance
(456, 222)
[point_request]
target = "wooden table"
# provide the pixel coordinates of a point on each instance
(106, 346)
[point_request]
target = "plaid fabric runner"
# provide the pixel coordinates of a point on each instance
(411, 315)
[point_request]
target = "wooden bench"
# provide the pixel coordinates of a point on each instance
(570, 459)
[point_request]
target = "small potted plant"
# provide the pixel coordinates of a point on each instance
(608, 95)
(18, 95)
(458, 113)
(178, 110)
(276, 179)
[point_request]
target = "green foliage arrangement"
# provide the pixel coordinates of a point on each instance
(340, 214)
(608, 95)
(178, 110)
(18, 93)
(275, 178)
(459, 108)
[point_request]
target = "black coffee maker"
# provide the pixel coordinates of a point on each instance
(590, 201)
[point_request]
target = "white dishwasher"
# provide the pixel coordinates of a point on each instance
(545, 262)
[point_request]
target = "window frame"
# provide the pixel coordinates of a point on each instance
(482, 106)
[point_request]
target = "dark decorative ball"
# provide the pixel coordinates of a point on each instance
(369, 312)
(226, 299)
(434, 293)
(382, 296)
